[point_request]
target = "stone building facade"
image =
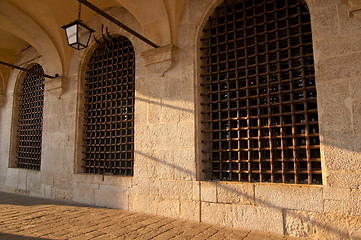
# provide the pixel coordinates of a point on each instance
(164, 164)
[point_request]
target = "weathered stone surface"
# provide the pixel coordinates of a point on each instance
(187, 30)
(112, 197)
(87, 178)
(208, 192)
(117, 181)
(336, 206)
(171, 189)
(168, 177)
(333, 102)
(289, 197)
(356, 235)
(324, 20)
(264, 219)
(355, 202)
(140, 186)
(54, 86)
(349, 161)
(163, 160)
(342, 179)
(46, 190)
(141, 112)
(298, 224)
(85, 193)
(62, 193)
(356, 120)
(243, 217)
(336, 46)
(159, 60)
(184, 164)
(340, 194)
(318, 225)
(12, 178)
(235, 193)
(139, 203)
(336, 68)
(215, 213)
(320, 3)
(168, 208)
(190, 210)
(33, 178)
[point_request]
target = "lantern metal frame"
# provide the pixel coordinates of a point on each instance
(77, 44)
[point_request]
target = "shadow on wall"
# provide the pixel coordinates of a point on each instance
(7, 198)
(303, 217)
(172, 166)
(164, 105)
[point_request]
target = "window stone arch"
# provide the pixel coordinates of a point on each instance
(30, 120)
(108, 138)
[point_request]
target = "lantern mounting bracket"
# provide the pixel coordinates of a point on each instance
(115, 21)
(28, 70)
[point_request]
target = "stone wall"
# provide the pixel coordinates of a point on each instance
(167, 176)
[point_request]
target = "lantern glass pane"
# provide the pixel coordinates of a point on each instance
(71, 33)
(84, 35)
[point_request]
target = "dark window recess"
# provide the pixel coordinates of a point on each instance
(259, 107)
(30, 125)
(109, 109)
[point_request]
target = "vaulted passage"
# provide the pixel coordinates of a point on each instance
(259, 107)
(109, 109)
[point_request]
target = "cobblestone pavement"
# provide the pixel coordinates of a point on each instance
(23, 217)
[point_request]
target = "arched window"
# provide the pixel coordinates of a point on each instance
(109, 109)
(30, 125)
(258, 99)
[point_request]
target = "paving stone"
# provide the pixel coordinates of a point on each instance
(206, 234)
(23, 217)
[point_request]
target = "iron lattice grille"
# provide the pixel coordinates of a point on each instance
(109, 109)
(30, 124)
(259, 107)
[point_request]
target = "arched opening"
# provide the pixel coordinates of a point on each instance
(109, 109)
(258, 94)
(30, 121)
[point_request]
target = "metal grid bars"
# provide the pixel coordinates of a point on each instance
(30, 125)
(109, 109)
(259, 108)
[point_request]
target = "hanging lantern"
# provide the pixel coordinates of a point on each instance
(77, 33)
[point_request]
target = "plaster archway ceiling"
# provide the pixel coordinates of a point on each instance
(37, 23)
(10, 47)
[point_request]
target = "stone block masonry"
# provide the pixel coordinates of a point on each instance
(168, 180)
